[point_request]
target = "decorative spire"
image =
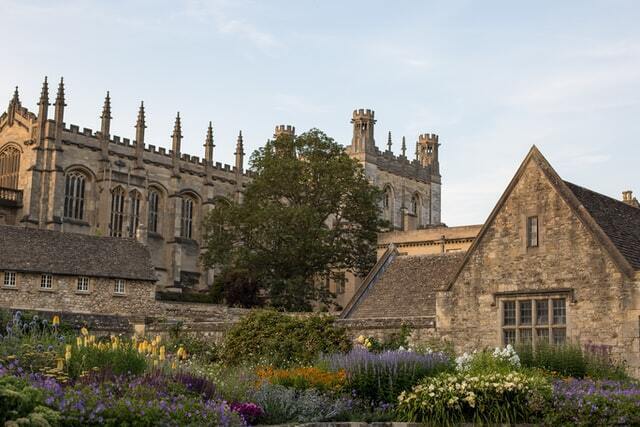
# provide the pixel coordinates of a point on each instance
(60, 103)
(16, 98)
(140, 127)
(44, 95)
(389, 142)
(404, 147)
(176, 138)
(239, 153)
(105, 126)
(208, 145)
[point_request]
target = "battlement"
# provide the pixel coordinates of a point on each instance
(363, 114)
(428, 138)
(284, 130)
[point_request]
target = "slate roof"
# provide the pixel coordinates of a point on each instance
(619, 221)
(407, 287)
(45, 251)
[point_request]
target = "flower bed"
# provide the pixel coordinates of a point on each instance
(381, 377)
(486, 398)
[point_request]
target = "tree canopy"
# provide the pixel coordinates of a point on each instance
(308, 211)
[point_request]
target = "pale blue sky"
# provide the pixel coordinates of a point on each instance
(490, 77)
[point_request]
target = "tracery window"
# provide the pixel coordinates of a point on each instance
(415, 201)
(134, 217)
(117, 212)
(74, 188)
(9, 167)
(186, 223)
(154, 205)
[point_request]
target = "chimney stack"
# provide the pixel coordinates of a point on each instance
(627, 197)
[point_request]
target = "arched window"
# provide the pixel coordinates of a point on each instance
(386, 198)
(74, 186)
(9, 167)
(134, 217)
(415, 202)
(117, 212)
(186, 223)
(154, 209)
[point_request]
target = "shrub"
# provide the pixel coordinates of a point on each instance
(381, 377)
(285, 405)
(304, 378)
(502, 360)
(250, 412)
(24, 404)
(271, 338)
(589, 402)
(484, 398)
(570, 360)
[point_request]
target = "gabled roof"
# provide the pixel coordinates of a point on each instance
(406, 287)
(601, 215)
(44, 251)
(619, 221)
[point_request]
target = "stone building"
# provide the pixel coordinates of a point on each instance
(61, 177)
(553, 262)
(426, 241)
(67, 272)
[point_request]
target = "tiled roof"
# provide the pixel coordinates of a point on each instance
(619, 221)
(407, 287)
(45, 251)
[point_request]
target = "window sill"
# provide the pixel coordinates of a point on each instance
(76, 222)
(46, 290)
(10, 288)
(83, 293)
(119, 295)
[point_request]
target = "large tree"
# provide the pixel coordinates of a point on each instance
(308, 211)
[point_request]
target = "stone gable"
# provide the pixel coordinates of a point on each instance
(602, 302)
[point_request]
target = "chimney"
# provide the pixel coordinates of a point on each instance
(627, 197)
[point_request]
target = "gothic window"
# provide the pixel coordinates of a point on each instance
(9, 167)
(154, 206)
(186, 223)
(534, 321)
(134, 217)
(74, 186)
(117, 212)
(415, 202)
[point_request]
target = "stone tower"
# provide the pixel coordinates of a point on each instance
(363, 140)
(428, 151)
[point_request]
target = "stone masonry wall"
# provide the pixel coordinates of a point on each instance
(139, 296)
(603, 307)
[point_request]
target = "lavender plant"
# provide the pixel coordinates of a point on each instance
(381, 377)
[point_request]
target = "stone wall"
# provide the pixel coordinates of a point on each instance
(603, 305)
(139, 297)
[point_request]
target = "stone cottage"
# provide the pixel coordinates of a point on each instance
(553, 262)
(49, 271)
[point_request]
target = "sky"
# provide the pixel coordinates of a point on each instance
(491, 78)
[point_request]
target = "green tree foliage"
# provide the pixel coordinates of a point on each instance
(272, 338)
(309, 210)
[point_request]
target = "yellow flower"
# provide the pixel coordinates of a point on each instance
(360, 339)
(56, 320)
(84, 331)
(60, 364)
(79, 341)
(173, 365)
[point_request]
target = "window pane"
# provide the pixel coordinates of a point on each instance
(525, 312)
(559, 312)
(559, 336)
(542, 335)
(532, 231)
(542, 312)
(509, 313)
(526, 336)
(509, 336)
